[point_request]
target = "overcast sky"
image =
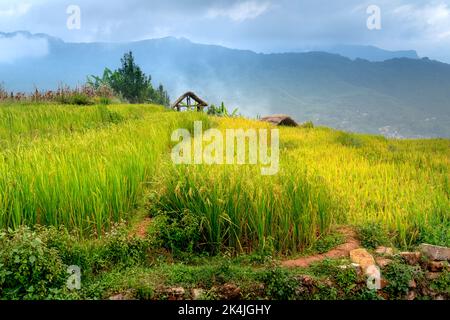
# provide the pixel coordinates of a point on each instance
(259, 25)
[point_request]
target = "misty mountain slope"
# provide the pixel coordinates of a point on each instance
(370, 53)
(397, 97)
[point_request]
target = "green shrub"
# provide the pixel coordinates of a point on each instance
(80, 99)
(71, 250)
(442, 284)
(145, 292)
(176, 231)
(307, 125)
(437, 234)
(398, 276)
(75, 98)
(104, 100)
(279, 284)
(221, 111)
(201, 276)
(119, 249)
(349, 140)
(327, 267)
(328, 242)
(116, 249)
(367, 294)
(29, 269)
(109, 116)
(325, 292)
(345, 278)
(372, 235)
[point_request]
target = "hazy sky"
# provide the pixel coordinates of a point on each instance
(260, 25)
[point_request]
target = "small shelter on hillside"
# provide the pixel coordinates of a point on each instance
(190, 101)
(280, 120)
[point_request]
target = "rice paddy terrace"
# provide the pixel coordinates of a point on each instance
(87, 168)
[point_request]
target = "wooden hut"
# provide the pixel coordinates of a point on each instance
(280, 120)
(190, 101)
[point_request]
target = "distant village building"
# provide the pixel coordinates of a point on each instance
(280, 120)
(190, 101)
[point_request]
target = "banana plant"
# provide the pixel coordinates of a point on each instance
(222, 111)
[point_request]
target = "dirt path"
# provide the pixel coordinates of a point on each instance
(140, 230)
(341, 251)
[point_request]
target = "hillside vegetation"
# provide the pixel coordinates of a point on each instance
(87, 168)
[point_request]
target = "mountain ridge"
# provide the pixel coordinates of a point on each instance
(411, 54)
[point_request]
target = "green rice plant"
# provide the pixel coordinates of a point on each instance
(245, 211)
(86, 180)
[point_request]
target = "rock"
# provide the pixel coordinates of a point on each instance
(412, 258)
(412, 284)
(258, 289)
(384, 251)
(119, 296)
(127, 295)
(432, 275)
(306, 281)
(229, 291)
(357, 268)
(435, 266)
(197, 294)
(411, 295)
(328, 282)
(383, 283)
(362, 257)
(383, 262)
(176, 293)
(435, 252)
(427, 292)
(441, 298)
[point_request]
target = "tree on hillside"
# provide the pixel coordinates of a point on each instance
(130, 82)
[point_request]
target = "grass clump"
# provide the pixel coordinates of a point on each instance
(177, 231)
(372, 235)
(399, 277)
(280, 284)
(307, 125)
(349, 140)
(344, 279)
(76, 98)
(442, 284)
(328, 242)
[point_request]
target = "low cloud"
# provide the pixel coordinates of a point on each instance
(20, 47)
(240, 11)
(15, 10)
(433, 20)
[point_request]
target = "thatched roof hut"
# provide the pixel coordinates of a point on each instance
(280, 120)
(192, 101)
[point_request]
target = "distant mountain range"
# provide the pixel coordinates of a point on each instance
(354, 88)
(370, 53)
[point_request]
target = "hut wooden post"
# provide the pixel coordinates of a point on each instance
(199, 104)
